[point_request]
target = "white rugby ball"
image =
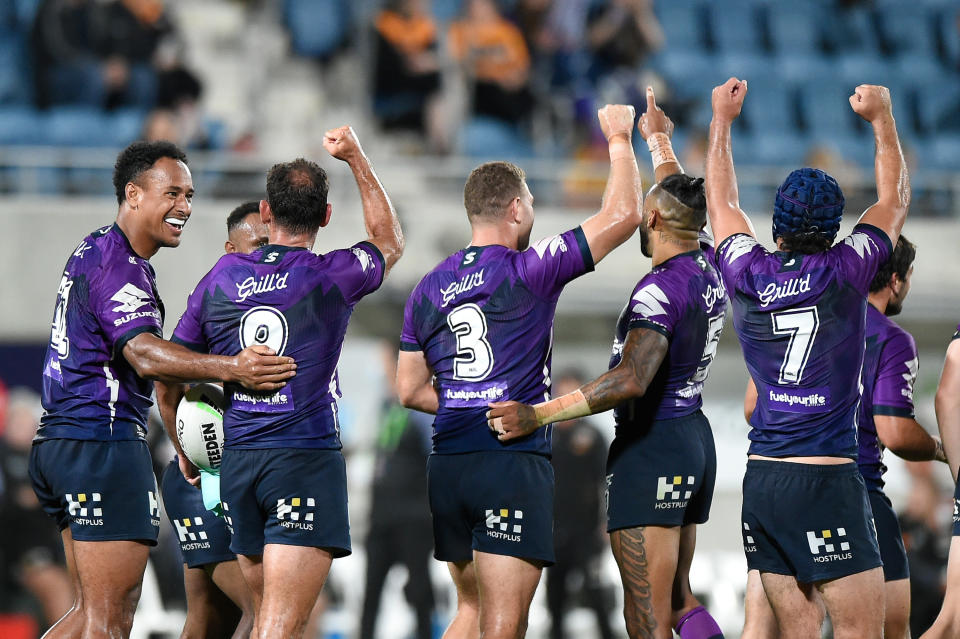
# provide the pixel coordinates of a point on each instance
(200, 425)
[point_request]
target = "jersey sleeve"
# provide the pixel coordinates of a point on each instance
(553, 262)
(125, 304)
(896, 374)
(359, 270)
(861, 254)
(956, 335)
(651, 306)
(734, 256)
(189, 330)
(408, 334)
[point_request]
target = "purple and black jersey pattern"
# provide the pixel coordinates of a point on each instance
(298, 304)
(107, 296)
(484, 321)
(801, 321)
(684, 300)
(890, 367)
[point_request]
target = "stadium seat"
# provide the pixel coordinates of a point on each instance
(752, 67)
(804, 69)
(826, 110)
(853, 29)
(857, 67)
(683, 25)
(770, 148)
(908, 29)
(855, 148)
(735, 28)
(690, 74)
(123, 127)
(15, 86)
(795, 28)
(317, 27)
(938, 108)
(950, 37)
(76, 126)
(943, 152)
(491, 138)
(770, 108)
(20, 125)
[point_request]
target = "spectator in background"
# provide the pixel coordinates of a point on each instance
(65, 65)
(30, 551)
(621, 35)
(579, 463)
(495, 58)
(407, 75)
(400, 527)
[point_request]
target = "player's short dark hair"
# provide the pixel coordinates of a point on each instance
(140, 157)
(297, 194)
(899, 262)
(490, 189)
(805, 243)
(240, 213)
(689, 192)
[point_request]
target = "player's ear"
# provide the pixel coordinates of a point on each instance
(514, 210)
(326, 215)
(653, 219)
(132, 193)
(266, 214)
(228, 247)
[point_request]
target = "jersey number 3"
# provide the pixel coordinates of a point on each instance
(801, 325)
(474, 359)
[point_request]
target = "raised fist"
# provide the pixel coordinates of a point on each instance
(342, 143)
(870, 102)
(727, 99)
(616, 119)
(654, 120)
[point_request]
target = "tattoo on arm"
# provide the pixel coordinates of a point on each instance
(643, 352)
(631, 555)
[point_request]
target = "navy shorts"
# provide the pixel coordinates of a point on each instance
(892, 552)
(289, 496)
(494, 502)
(807, 520)
(104, 491)
(956, 511)
(204, 537)
(662, 474)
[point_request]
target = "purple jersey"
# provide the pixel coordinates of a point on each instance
(800, 320)
(297, 303)
(890, 367)
(683, 299)
(107, 296)
(484, 321)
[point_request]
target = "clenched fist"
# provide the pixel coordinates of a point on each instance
(727, 99)
(870, 102)
(616, 119)
(342, 143)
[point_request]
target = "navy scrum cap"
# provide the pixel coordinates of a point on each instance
(808, 202)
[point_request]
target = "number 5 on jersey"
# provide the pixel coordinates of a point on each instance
(474, 359)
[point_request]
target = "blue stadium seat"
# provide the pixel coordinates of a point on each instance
(690, 74)
(950, 37)
(938, 108)
(908, 29)
(809, 69)
(491, 138)
(20, 125)
(857, 67)
(770, 148)
(853, 30)
(123, 127)
(736, 28)
(76, 126)
(855, 148)
(795, 27)
(15, 85)
(752, 67)
(683, 25)
(826, 110)
(943, 152)
(317, 27)
(770, 108)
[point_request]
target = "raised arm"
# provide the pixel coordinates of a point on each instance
(872, 103)
(643, 352)
(657, 130)
(256, 367)
(168, 399)
(723, 198)
(379, 216)
(415, 387)
(947, 404)
(619, 215)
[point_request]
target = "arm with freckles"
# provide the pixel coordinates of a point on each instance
(643, 352)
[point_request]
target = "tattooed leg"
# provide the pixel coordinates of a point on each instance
(647, 557)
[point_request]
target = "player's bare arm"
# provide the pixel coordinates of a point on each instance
(619, 214)
(656, 128)
(643, 352)
(947, 405)
(169, 395)
(723, 198)
(749, 400)
(908, 439)
(415, 383)
(872, 103)
(256, 367)
(379, 216)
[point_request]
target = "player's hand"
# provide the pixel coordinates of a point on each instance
(190, 472)
(871, 102)
(260, 369)
(616, 119)
(510, 420)
(342, 143)
(654, 120)
(727, 99)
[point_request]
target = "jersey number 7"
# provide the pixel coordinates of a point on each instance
(801, 325)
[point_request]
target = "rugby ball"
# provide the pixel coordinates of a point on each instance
(200, 425)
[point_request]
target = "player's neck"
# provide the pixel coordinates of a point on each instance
(140, 241)
(879, 300)
(282, 237)
(667, 247)
(493, 235)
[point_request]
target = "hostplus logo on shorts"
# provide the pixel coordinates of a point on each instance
(190, 531)
(85, 508)
(749, 545)
(501, 526)
(670, 493)
(827, 546)
(154, 508)
(294, 513)
(226, 516)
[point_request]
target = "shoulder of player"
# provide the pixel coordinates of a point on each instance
(898, 339)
